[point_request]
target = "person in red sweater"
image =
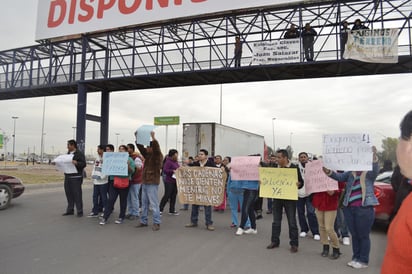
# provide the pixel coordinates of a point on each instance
(326, 205)
(398, 256)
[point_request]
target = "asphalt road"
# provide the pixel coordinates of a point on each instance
(35, 238)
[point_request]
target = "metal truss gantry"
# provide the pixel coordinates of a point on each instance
(196, 51)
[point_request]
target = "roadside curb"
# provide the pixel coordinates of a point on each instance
(86, 183)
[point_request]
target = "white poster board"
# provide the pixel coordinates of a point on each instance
(276, 52)
(373, 46)
(142, 134)
(349, 152)
(64, 164)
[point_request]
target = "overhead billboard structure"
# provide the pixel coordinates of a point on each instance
(60, 18)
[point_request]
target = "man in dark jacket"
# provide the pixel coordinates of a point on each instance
(203, 162)
(73, 181)
(292, 33)
(288, 205)
(150, 181)
(308, 38)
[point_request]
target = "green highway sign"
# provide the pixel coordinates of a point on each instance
(1, 141)
(166, 120)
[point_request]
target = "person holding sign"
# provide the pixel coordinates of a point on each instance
(73, 181)
(119, 190)
(305, 205)
(358, 203)
(99, 184)
(151, 179)
(289, 206)
(202, 162)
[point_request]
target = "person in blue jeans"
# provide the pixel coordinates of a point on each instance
(133, 202)
(358, 210)
(250, 194)
(235, 196)
(288, 205)
(150, 181)
(100, 184)
(203, 161)
(341, 228)
(305, 207)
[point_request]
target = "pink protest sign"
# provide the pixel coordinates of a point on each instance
(316, 180)
(245, 168)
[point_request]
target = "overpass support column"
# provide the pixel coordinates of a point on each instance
(81, 116)
(104, 121)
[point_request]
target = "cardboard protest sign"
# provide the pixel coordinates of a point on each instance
(316, 180)
(201, 185)
(347, 152)
(115, 163)
(278, 183)
(245, 168)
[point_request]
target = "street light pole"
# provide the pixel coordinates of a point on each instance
(74, 133)
(14, 133)
(273, 133)
(117, 140)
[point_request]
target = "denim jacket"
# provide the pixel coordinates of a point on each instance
(367, 180)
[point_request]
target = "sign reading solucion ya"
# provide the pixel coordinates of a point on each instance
(201, 185)
(347, 152)
(278, 183)
(166, 120)
(59, 18)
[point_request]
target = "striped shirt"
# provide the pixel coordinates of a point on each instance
(355, 198)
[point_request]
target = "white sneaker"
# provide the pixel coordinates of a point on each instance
(359, 265)
(346, 241)
(302, 234)
(250, 231)
(102, 222)
(239, 231)
(316, 237)
(351, 263)
(119, 221)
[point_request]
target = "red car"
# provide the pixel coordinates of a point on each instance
(10, 188)
(386, 197)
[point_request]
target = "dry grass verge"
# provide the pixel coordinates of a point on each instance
(35, 174)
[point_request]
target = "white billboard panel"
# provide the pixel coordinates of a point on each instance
(57, 18)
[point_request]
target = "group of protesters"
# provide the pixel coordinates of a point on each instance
(355, 195)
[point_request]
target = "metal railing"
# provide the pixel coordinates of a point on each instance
(194, 45)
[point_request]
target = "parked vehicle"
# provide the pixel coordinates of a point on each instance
(386, 197)
(220, 139)
(10, 188)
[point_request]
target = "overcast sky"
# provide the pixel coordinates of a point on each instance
(304, 109)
